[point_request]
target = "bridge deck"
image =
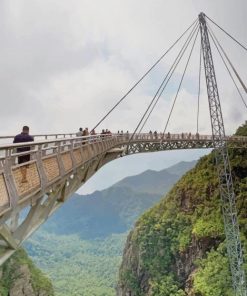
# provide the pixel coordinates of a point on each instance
(59, 165)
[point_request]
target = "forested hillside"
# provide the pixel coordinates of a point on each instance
(178, 247)
(20, 277)
(81, 245)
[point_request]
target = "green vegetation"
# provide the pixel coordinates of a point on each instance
(80, 247)
(242, 130)
(213, 277)
(178, 246)
(166, 287)
(11, 271)
(78, 267)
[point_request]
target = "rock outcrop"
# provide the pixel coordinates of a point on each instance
(20, 277)
(178, 247)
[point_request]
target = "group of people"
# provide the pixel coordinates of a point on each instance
(105, 132)
(85, 132)
(168, 135)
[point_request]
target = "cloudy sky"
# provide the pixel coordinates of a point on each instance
(65, 63)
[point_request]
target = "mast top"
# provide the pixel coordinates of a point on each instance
(202, 17)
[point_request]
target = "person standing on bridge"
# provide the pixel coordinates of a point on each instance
(102, 135)
(22, 138)
(93, 134)
(86, 131)
(80, 133)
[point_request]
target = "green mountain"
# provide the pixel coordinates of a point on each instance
(80, 247)
(101, 213)
(178, 247)
(20, 277)
(156, 182)
(114, 210)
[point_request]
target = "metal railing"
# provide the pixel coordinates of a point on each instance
(69, 142)
(48, 147)
(39, 137)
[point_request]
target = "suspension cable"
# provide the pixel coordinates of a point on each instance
(170, 72)
(186, 66)
(244, 47)
(149, 106)
(215, 40)
(199, 90)
(233, 68)
(150, 69)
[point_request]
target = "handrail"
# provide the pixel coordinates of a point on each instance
(40, 135)
(127, 136)
(33, 143)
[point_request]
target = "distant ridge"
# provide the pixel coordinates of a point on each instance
(157, 182)
(115, 209)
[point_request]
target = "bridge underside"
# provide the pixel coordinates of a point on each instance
(55, 173)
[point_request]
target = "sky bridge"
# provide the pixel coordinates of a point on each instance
(60, 163)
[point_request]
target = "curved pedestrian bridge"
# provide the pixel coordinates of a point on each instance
(59, 164)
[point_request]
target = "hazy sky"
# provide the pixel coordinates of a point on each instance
(65, 63)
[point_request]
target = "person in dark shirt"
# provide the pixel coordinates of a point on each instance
(22, 138)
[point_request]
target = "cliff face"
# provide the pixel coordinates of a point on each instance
(19, 277)
(178, 247)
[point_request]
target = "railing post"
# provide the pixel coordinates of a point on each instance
(41, 171)
(7, 168)
(72, 154)
(59, 158)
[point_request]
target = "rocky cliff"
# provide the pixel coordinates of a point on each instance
(178, 247)
(20, 277)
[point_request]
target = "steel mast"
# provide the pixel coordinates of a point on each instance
(229, 209)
